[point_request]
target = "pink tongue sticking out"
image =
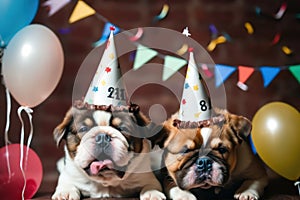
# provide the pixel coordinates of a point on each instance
(97, 166)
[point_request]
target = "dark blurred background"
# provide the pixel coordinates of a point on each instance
(228, 16)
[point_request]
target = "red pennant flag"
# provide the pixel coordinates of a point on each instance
(245, 73)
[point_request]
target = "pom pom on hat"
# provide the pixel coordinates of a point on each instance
(112, 28)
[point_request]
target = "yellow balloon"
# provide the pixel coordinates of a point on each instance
(276, 137)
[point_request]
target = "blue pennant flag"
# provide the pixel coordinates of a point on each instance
(222, 72)
(106, 33)
(268, 74)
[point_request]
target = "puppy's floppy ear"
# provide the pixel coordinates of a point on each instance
(62, 129)
(134, 108)
(241, 125)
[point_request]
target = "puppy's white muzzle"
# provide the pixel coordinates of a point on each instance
(103, 143)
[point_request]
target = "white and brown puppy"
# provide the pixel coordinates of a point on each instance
(208, 158)
(105, 155)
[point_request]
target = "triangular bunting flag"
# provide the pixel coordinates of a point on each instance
(171, 66)
(55, 5)
(143, 55)
(245, 73)
(222, 72)
(295, 70)
(81, 10)
(268, 74)
(105, 33)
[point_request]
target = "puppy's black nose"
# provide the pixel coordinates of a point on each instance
(204, 164)
(103, 139)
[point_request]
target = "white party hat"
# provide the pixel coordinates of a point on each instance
(195, 104)
(106, 87)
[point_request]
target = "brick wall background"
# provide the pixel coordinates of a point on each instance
(227, 15)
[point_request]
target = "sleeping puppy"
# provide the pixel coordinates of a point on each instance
(206, 159)
(105, 155)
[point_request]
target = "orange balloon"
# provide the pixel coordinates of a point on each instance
(276, 137)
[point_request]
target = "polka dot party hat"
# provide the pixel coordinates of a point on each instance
(195, 103)
(106, 87)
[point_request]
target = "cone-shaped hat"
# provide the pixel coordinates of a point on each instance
(106, 87)
(195, 103)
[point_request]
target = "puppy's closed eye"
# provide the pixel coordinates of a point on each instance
(123, 128)
(83, 129)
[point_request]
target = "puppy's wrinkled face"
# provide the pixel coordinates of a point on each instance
(101, 142)
(205, 157)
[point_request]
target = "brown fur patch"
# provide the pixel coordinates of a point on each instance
(116, 121)
(227, 135)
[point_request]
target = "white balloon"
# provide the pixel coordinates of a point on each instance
(32, 64)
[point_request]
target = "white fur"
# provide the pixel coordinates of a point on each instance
(120, 154)
(205, 132)
(178, 194)
(190, 177)
(101, 117)
(73, 181)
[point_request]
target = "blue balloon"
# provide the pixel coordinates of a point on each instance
(14, 15)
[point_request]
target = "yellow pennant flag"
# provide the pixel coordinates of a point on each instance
(81, 10)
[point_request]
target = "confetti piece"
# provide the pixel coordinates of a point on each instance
(138, 35)
(213, 30)
(132, 56)
(276, 39)
(182, 50)
(213, 44)
(206, 71)
(186, 32)
(242, 86)
(64, 31)
(227, 36)
(287, 50)
(220, 40)
(163, 13)
(249, 28)
(258, 10)
(281, 11)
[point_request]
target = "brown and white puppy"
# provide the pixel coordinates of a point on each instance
(105, 155)
(211, 156)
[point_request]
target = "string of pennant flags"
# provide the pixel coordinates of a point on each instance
(172, 64)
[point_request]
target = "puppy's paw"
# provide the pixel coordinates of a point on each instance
(178, 194)
(66, 194)
(152, 195)
(247, 195)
